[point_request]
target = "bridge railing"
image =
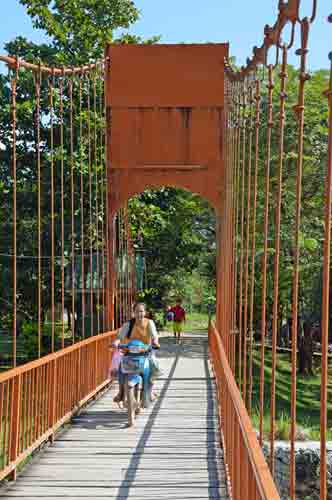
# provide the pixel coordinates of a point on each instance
(248, 473)
(39, 397)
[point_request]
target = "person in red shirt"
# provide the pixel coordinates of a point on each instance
(179, 319)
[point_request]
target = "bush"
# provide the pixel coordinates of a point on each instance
(30, 339)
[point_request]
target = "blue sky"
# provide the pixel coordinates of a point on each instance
(239, 22)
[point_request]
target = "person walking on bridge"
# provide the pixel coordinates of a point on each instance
(179, 319)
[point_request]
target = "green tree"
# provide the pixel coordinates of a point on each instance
(80, 29)
(176, 231)
(77, 33)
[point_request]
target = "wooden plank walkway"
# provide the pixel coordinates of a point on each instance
(172, 453)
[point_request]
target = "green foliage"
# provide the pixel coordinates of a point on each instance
(77, 33)
(175, 230)
(80, 29)
(29, 339)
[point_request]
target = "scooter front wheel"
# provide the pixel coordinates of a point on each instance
(131, 404)
(138, 398)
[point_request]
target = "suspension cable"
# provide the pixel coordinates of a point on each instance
(299, 110)
(270, 123)
(51, 84)
(243, 177)
(14, 173)
(96, 181)
(61, 118)
(247, 238)
(102, 192)
(257, 99)
(282, 124)
(326, 296)
(82, 207)
(72, 206)
(90, 207)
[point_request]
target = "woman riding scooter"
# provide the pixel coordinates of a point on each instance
(138, 328)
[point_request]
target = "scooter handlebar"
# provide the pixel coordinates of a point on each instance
(148, 348)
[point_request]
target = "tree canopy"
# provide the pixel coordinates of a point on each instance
(80, 29)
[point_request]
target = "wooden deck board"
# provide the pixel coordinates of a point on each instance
(173, 452)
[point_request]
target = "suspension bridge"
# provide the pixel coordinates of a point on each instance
(99, 137)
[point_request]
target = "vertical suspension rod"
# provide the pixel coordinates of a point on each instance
(90, 206)
(83, 282)
(96, 167)
(72, 206)
(257, 98)
(62, 213)
(243, 175)
(270, 87)
(39, 272)
(282, 122)
(299, 110)
(326, 299)
(247, 243)
(51, 105)
(14, 173)
(102, 192)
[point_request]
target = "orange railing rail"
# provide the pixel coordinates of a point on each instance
(249, 477)
(39, 397)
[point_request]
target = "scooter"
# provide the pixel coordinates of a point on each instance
(135, 370)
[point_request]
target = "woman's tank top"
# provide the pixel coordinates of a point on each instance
(141, 332)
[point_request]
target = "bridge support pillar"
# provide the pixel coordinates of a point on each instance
(225, 267)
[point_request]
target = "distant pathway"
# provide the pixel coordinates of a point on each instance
(172, 453)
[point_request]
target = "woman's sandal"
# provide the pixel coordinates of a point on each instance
(154, 396)
(118, 399)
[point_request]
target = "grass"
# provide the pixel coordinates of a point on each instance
(196, 321)
(308, 399)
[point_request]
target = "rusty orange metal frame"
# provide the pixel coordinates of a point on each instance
(15, 62)
(36, 399)
(248, 473)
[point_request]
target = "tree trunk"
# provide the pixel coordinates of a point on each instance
(305, 347)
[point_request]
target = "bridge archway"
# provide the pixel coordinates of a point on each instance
(137, 185)
(182, 217)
